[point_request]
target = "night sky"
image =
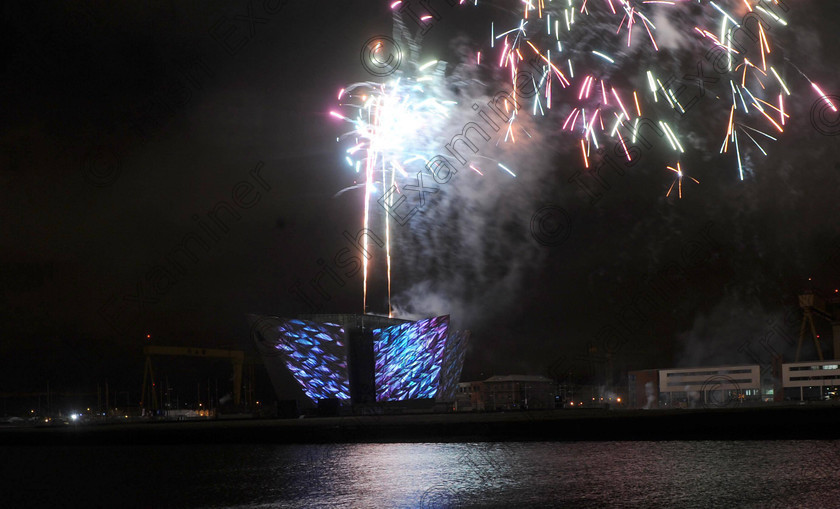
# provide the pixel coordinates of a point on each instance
(128, 125)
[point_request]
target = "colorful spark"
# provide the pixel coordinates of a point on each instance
(390, 119)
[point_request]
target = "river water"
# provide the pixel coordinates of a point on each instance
(760, 474)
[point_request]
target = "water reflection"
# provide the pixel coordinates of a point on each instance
(576, 475)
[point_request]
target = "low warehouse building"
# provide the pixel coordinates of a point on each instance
(711, 387)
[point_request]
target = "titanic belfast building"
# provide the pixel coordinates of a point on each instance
(363, 359)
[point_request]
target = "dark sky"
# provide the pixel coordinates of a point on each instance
(126, 124)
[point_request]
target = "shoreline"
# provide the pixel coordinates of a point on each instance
(771, 423)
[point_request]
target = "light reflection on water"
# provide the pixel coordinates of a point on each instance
(555, 474)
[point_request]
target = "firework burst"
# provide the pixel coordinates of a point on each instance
(603, 64)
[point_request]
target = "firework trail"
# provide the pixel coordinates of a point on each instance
(391, 121)
(678, 180)
(599, 64)
(554, 45)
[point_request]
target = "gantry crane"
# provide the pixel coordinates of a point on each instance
(236, 357)
(814, 305)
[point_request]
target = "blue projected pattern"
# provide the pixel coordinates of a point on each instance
(453, 362)
(316, 355)
(408, 359)
(412, 360)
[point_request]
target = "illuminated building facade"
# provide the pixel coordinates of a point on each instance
(363, 358)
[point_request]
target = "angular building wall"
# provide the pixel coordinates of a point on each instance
(408, 359)
(453, 364)
(314, 353)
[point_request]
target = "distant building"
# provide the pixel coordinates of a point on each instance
(721, 386)
(811, 381)
(468, 397)
(709, 386)
(508, 392)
